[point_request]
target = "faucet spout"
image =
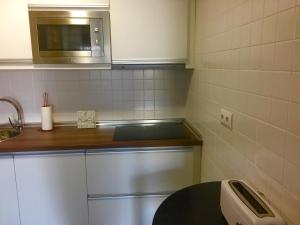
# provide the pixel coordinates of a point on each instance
(19, 124)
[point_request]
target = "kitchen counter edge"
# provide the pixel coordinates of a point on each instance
(71, 139)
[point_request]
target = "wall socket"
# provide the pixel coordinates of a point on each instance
(226, 118)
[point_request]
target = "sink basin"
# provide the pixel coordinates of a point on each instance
(6, 134)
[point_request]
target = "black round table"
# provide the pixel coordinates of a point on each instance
(195, 205)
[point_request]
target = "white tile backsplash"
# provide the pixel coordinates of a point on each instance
(292, 149)
(292, 179)
(269, 29)
(271, 138)
(256, 32)
(295, 90)
(296, 55)
(271, 7)
(268, 57)
(293, 118)
(279, 113)
(245, 34)
(256, 77)
(285, 4)
(257, 9)
(285, 25)
(281, 85)
(297, 22)
(114, 94)
(283, 56)
(290, 207)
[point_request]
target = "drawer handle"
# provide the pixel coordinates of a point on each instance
(123, 196)
(139, 150)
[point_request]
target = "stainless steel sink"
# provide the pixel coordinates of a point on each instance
(6, 134)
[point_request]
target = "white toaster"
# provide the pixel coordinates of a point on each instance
(242, 205)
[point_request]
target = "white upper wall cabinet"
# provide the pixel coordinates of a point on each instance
(15, 35)
(70, 2)
(146, 31)
(83, 3)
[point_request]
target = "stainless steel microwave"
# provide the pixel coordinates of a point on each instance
(70, 37)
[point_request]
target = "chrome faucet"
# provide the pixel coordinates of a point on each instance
(16, 124)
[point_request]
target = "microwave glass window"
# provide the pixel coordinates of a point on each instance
(64, 37)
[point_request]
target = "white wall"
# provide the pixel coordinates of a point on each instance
(248, 61)
(114, 94)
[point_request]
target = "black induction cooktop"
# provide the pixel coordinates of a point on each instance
(150, 132)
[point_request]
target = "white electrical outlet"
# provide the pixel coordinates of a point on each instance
(226, 118)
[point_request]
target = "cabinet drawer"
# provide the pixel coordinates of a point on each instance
(139, 171)
(125, 211)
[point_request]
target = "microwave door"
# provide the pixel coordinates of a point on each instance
(64, 37)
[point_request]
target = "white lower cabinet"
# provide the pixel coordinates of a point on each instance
(139, 171)
(101, 187)
(124, 211)
(9, 212)
(52, 189)
(126, 186)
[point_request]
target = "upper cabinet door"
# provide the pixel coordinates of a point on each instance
(52, 189)
(70, 2)
(9, 212)
(146, 31)
(15, 35)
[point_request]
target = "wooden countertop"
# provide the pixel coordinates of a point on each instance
(71, 138)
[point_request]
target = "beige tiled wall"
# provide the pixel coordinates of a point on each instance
(114, 94)
(248, 61)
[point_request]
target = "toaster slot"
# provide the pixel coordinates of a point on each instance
(250, 199)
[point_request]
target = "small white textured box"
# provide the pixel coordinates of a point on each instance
(236, 211)
(86, 119)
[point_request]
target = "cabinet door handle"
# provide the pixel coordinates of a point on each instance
(139, 150)
(50, 153)
(124, 196)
